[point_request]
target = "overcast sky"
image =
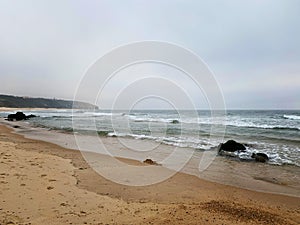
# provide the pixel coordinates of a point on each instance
(253, 47)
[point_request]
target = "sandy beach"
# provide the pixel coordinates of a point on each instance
(42, 183)
(150, 112)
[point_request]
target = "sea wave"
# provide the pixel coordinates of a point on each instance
(72, 115)
(183, 142)
(274, 159)
(249, 124)
(263, 126)
(149, 119)
(81, 131)
(99, 114)
(208, 121)
(293, 126)
(291, 117)
(276, 156)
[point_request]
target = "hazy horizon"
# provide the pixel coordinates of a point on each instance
(252, 47)
(167, 109)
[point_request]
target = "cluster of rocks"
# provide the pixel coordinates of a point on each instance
(232, 146)
(19, 116)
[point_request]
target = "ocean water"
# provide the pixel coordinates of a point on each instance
(274, 132)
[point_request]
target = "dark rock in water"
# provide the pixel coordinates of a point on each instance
(175, 121)
(231, 146)
(260, 157)
(30, 116)
(19, 116)
(150, 161)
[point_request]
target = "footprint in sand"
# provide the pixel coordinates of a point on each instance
(4, 175)
(64, 204)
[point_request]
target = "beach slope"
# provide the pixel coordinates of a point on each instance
(42, 183)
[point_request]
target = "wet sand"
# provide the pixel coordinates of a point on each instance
(43, 183)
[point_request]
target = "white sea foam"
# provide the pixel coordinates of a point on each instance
(291, 117)
(100, 114)
(151, 119)
(218, 121)
(262, 126)
(191, 131)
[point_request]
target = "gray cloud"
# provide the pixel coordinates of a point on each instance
(253, 47)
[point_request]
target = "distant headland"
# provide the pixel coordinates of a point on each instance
(29, 102)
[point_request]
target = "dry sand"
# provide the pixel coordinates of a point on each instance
(42, 183)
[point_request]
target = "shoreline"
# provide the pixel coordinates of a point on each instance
(181, 199)
(253, 176)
